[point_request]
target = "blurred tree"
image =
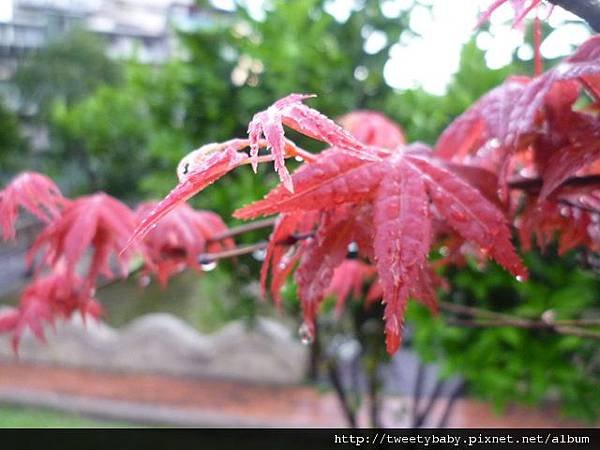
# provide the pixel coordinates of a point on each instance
(116, 137)
(12, 142)
(67, 69)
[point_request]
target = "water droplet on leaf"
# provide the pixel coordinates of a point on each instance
(259, 254)
(208, 266)
(305, 335)
(145, 280)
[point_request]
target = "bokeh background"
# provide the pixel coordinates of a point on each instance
(110, 94)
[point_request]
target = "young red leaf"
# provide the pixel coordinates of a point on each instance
(179, 238)
(97, 222)
(33, 192)
(544, 219)
(280, 255)
(55, 295)
(290, 111)
(348, 279)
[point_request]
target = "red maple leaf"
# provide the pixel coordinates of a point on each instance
(532, 127)
(573, 216)
(177, 240)
(97, 223)
(373, 129)
(58, 294)
(397, 196)
(33, 192)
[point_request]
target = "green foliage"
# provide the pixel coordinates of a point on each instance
(507, 364)
(113, 138)
(67, 69)
(12, 142)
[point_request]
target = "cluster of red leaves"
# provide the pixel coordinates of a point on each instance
(177, 240)
(395, 201)
(58, 294)
(97, 222)
(528, 128)
(83, 240)
(33, 192)
(387, 208)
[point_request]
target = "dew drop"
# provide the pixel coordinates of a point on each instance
(145, 280)
(352, 247)
(208, 266)
(564, 211)
(520, 278)
(305, 335)
(494, 143)
(299, 158)
(259, 254)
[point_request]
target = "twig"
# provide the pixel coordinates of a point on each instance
(245, 228)
(204, 258)
(473, 311)
(527, 324)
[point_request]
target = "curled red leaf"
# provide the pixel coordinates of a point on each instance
(33, 192)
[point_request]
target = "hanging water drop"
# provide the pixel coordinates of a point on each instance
(259, 254)
(520, 278)
(299, 158)
(145, 280)
(305, 335)
(208, 266)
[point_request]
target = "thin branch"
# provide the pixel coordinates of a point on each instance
(526, 324)
(245, 228)
(205, 258)
(588, 10)
(473, 311)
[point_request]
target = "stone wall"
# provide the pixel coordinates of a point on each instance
(161, 343)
